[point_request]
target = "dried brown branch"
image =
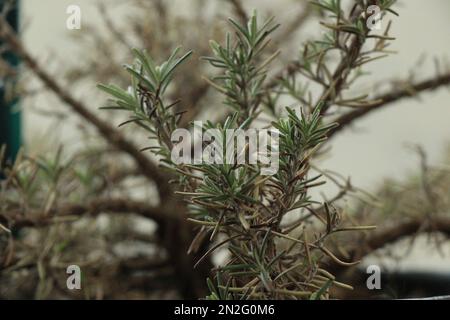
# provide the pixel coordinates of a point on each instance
(345, 66)
(18, 219)
(391, 97)
(393, 233)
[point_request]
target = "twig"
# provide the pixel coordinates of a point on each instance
(400, 230)
(390, 97)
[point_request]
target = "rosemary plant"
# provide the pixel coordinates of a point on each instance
(233, 204)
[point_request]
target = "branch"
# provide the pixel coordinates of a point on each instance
(397, 231)
(339, 76)
(390, 97)
(342, 72)
(114, 137)
(36, 218)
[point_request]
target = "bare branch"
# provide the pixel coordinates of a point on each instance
(393, 233)
(18, 219)
(391, 97)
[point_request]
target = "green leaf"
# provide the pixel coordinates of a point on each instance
(117, 92)
(141, 78)
(171, 67)
(147, 63)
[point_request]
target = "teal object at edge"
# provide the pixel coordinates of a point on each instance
(10, 117)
